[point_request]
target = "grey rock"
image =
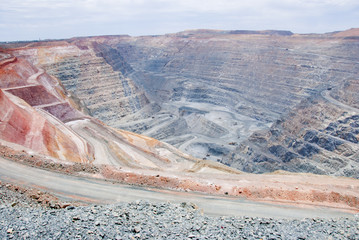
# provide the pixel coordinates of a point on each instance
(175, 222)
(137, 229)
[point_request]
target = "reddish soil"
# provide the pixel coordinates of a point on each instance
(64, 112)
(14, 73)
(42, 162)
(298, 189)
(354, 32)
(16, 126)
(290, 188)
(34, 95)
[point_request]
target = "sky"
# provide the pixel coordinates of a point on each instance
(57, 19)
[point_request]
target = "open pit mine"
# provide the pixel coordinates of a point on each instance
(262, 115)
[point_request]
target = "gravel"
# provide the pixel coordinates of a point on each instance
(21, 196)
(145, 220)
(29, 219)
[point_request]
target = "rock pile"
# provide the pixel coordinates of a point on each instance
(145, 220)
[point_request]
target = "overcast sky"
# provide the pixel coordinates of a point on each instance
(54, 19)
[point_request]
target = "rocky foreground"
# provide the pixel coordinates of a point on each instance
(23, 216)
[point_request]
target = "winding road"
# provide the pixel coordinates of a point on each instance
(326, 95)
(101, 191)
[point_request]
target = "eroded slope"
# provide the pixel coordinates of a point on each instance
(210, 90)
(207, 92)
(40, 116)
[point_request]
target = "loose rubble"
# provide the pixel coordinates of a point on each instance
(146, 220)
(20, 196)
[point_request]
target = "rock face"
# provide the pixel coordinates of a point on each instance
(102, 89)
(317, 136)
(21, 124)
(24, 87)
(256, 100)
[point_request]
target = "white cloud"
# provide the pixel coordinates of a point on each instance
(93, 17)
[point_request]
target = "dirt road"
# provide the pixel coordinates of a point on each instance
(326, 95)
(100, 191)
